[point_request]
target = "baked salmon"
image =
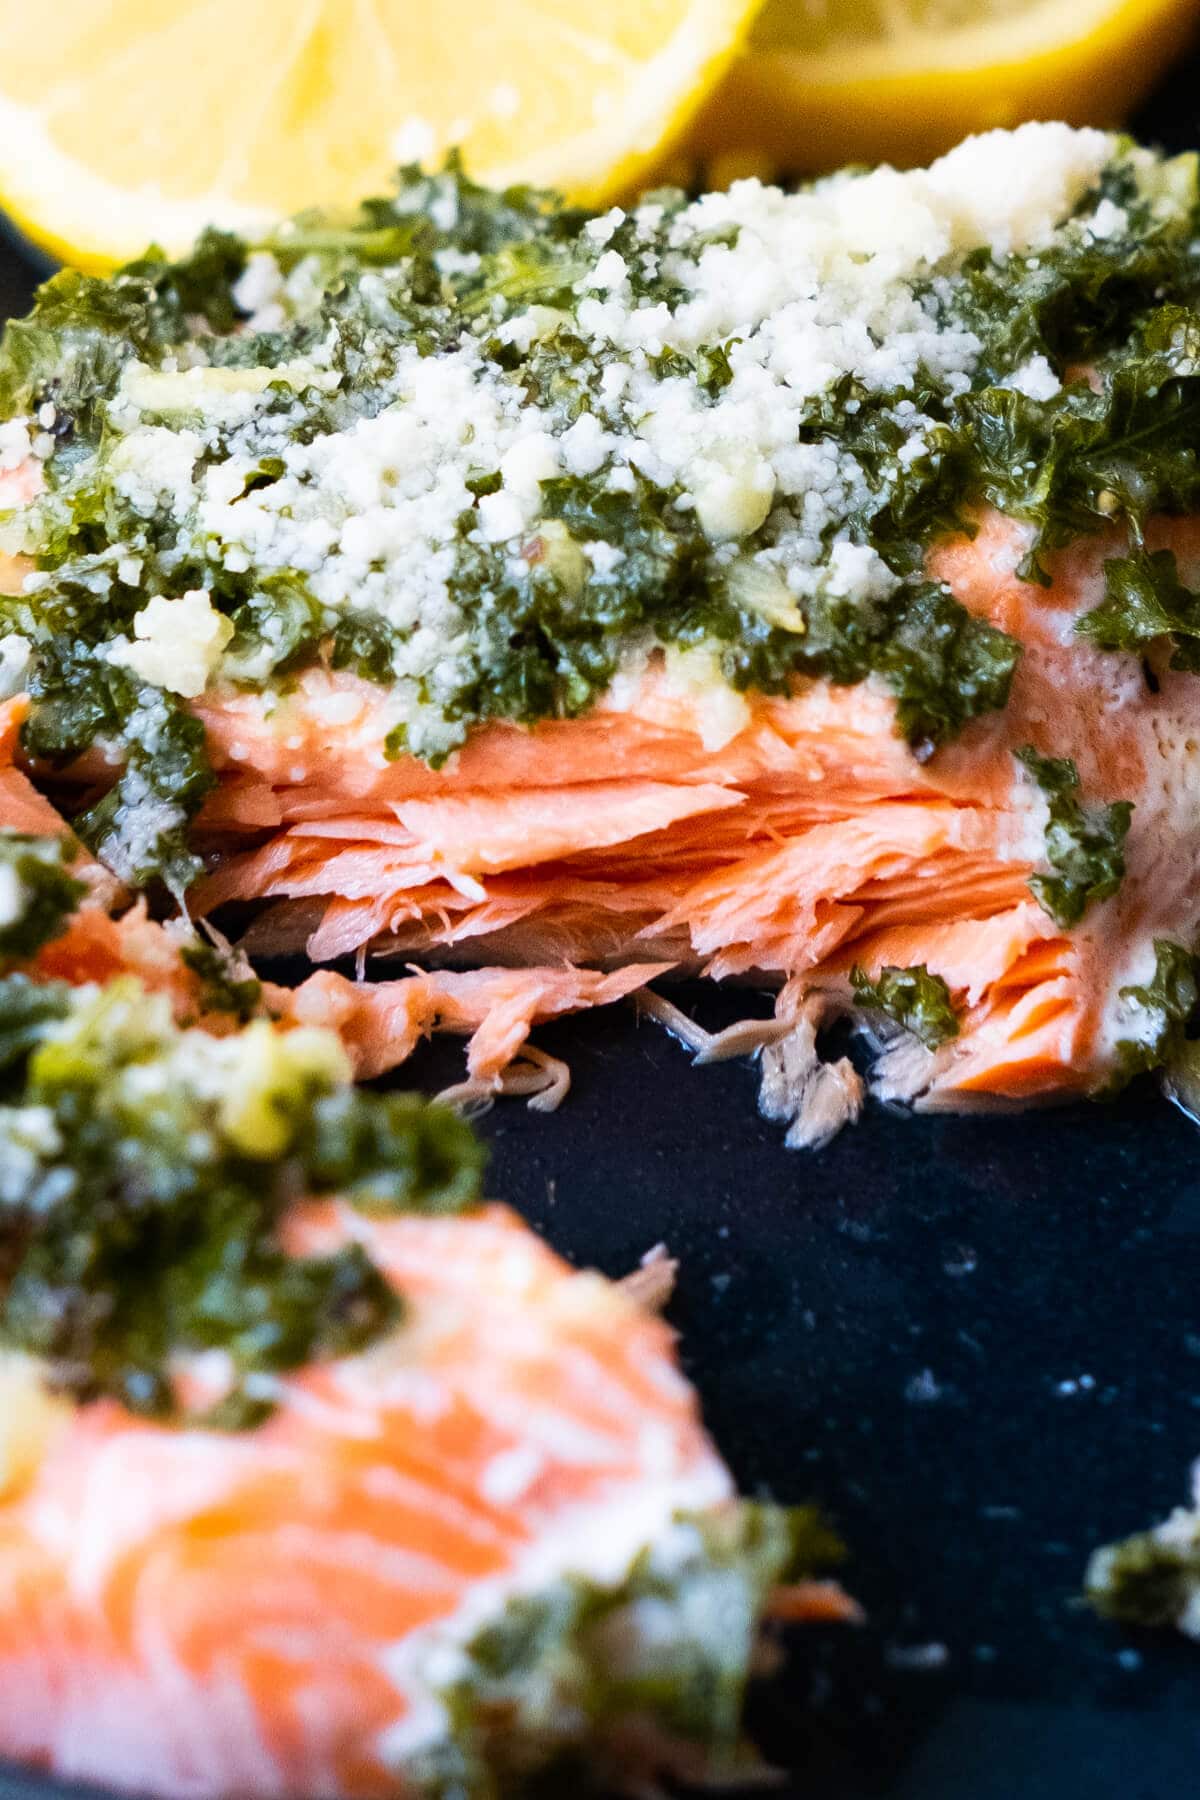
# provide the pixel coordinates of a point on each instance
(360, 1494)
(788, 588)
(810, 842)
(97, 938)
(419, 1573)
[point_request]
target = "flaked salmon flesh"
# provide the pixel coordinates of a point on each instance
(564, 865)
(379, 1023)
(803, 840)
(200, 1613)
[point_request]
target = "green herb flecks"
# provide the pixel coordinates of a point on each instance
(554, 1677)
(916, 999)
(1122, 307)
(70, 349)
(80, 698)
(1075, 465)
(1084, 845)
(714, 371)
(1145, 600)
(945, 668)
(1158, 1011)
(144, 1171)
(1150, 1579)
(28, 1009)
(1075, 298)
(277, 627)
(549, 643)
(469, 218)
(37, 893)
(227, 985)
(139, 829)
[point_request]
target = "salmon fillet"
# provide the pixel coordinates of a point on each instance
(361, 1495)
(292, 1611)
(812, 840)
(23, 808)
(379, 1023)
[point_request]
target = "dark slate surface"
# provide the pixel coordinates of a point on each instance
(975, 1342)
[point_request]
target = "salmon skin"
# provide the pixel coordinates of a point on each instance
(795, 588)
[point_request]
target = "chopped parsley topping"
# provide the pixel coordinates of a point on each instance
(139, 827)
(564, 1670)
(944, 667)
(144, 1171)
(1158, 1012)
(487, 451)
(227, 984)
(37, 894)
(1084, 845)
(915, 999)
(1145, 600)
(1152, 1578)
(1090, 456)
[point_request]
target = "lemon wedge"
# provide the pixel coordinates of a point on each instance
(823, 82)
(144, 120)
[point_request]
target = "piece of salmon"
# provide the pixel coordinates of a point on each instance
(380, 1023)
(25, 809)
(779, 839)
(276, 1612)
(750, 836)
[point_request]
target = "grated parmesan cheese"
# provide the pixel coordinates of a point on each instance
(16, 655)
(178, 643)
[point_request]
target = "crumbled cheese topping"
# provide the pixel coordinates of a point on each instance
(141, 822)
(1011, 189)
(1109, 220)
(15, 444)
(178, 643)
(16, 653)
(154, 466)
(1036, 379)
(374, 497)
(12, 895)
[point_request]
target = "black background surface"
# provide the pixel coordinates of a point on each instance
(976, 1342)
